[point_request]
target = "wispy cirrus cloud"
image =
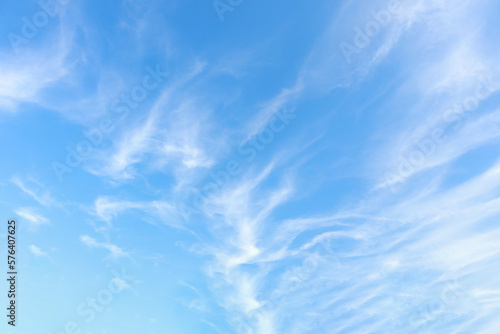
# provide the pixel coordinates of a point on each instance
(31, 215)
(28, 74)
(35, 190)
(373, 270)
(172, 137)
(114, 250)
(25, 79)
(106, 209)
(309, 236)
(37, 251)
(391, 251)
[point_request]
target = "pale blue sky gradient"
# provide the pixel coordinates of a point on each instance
(252, 166)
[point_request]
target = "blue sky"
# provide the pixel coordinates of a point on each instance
(252, 166)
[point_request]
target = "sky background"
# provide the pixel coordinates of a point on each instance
(252, 166)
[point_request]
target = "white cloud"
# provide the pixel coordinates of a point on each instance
(106, 209)
(277, 104)
(120, 284)
(175, 137)
(399, 257)
(115, 251)
(36, 191)
(470, 135)
(36, 251)
(31, 216)
(370, 265)
(26, 75)
(23, 81)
